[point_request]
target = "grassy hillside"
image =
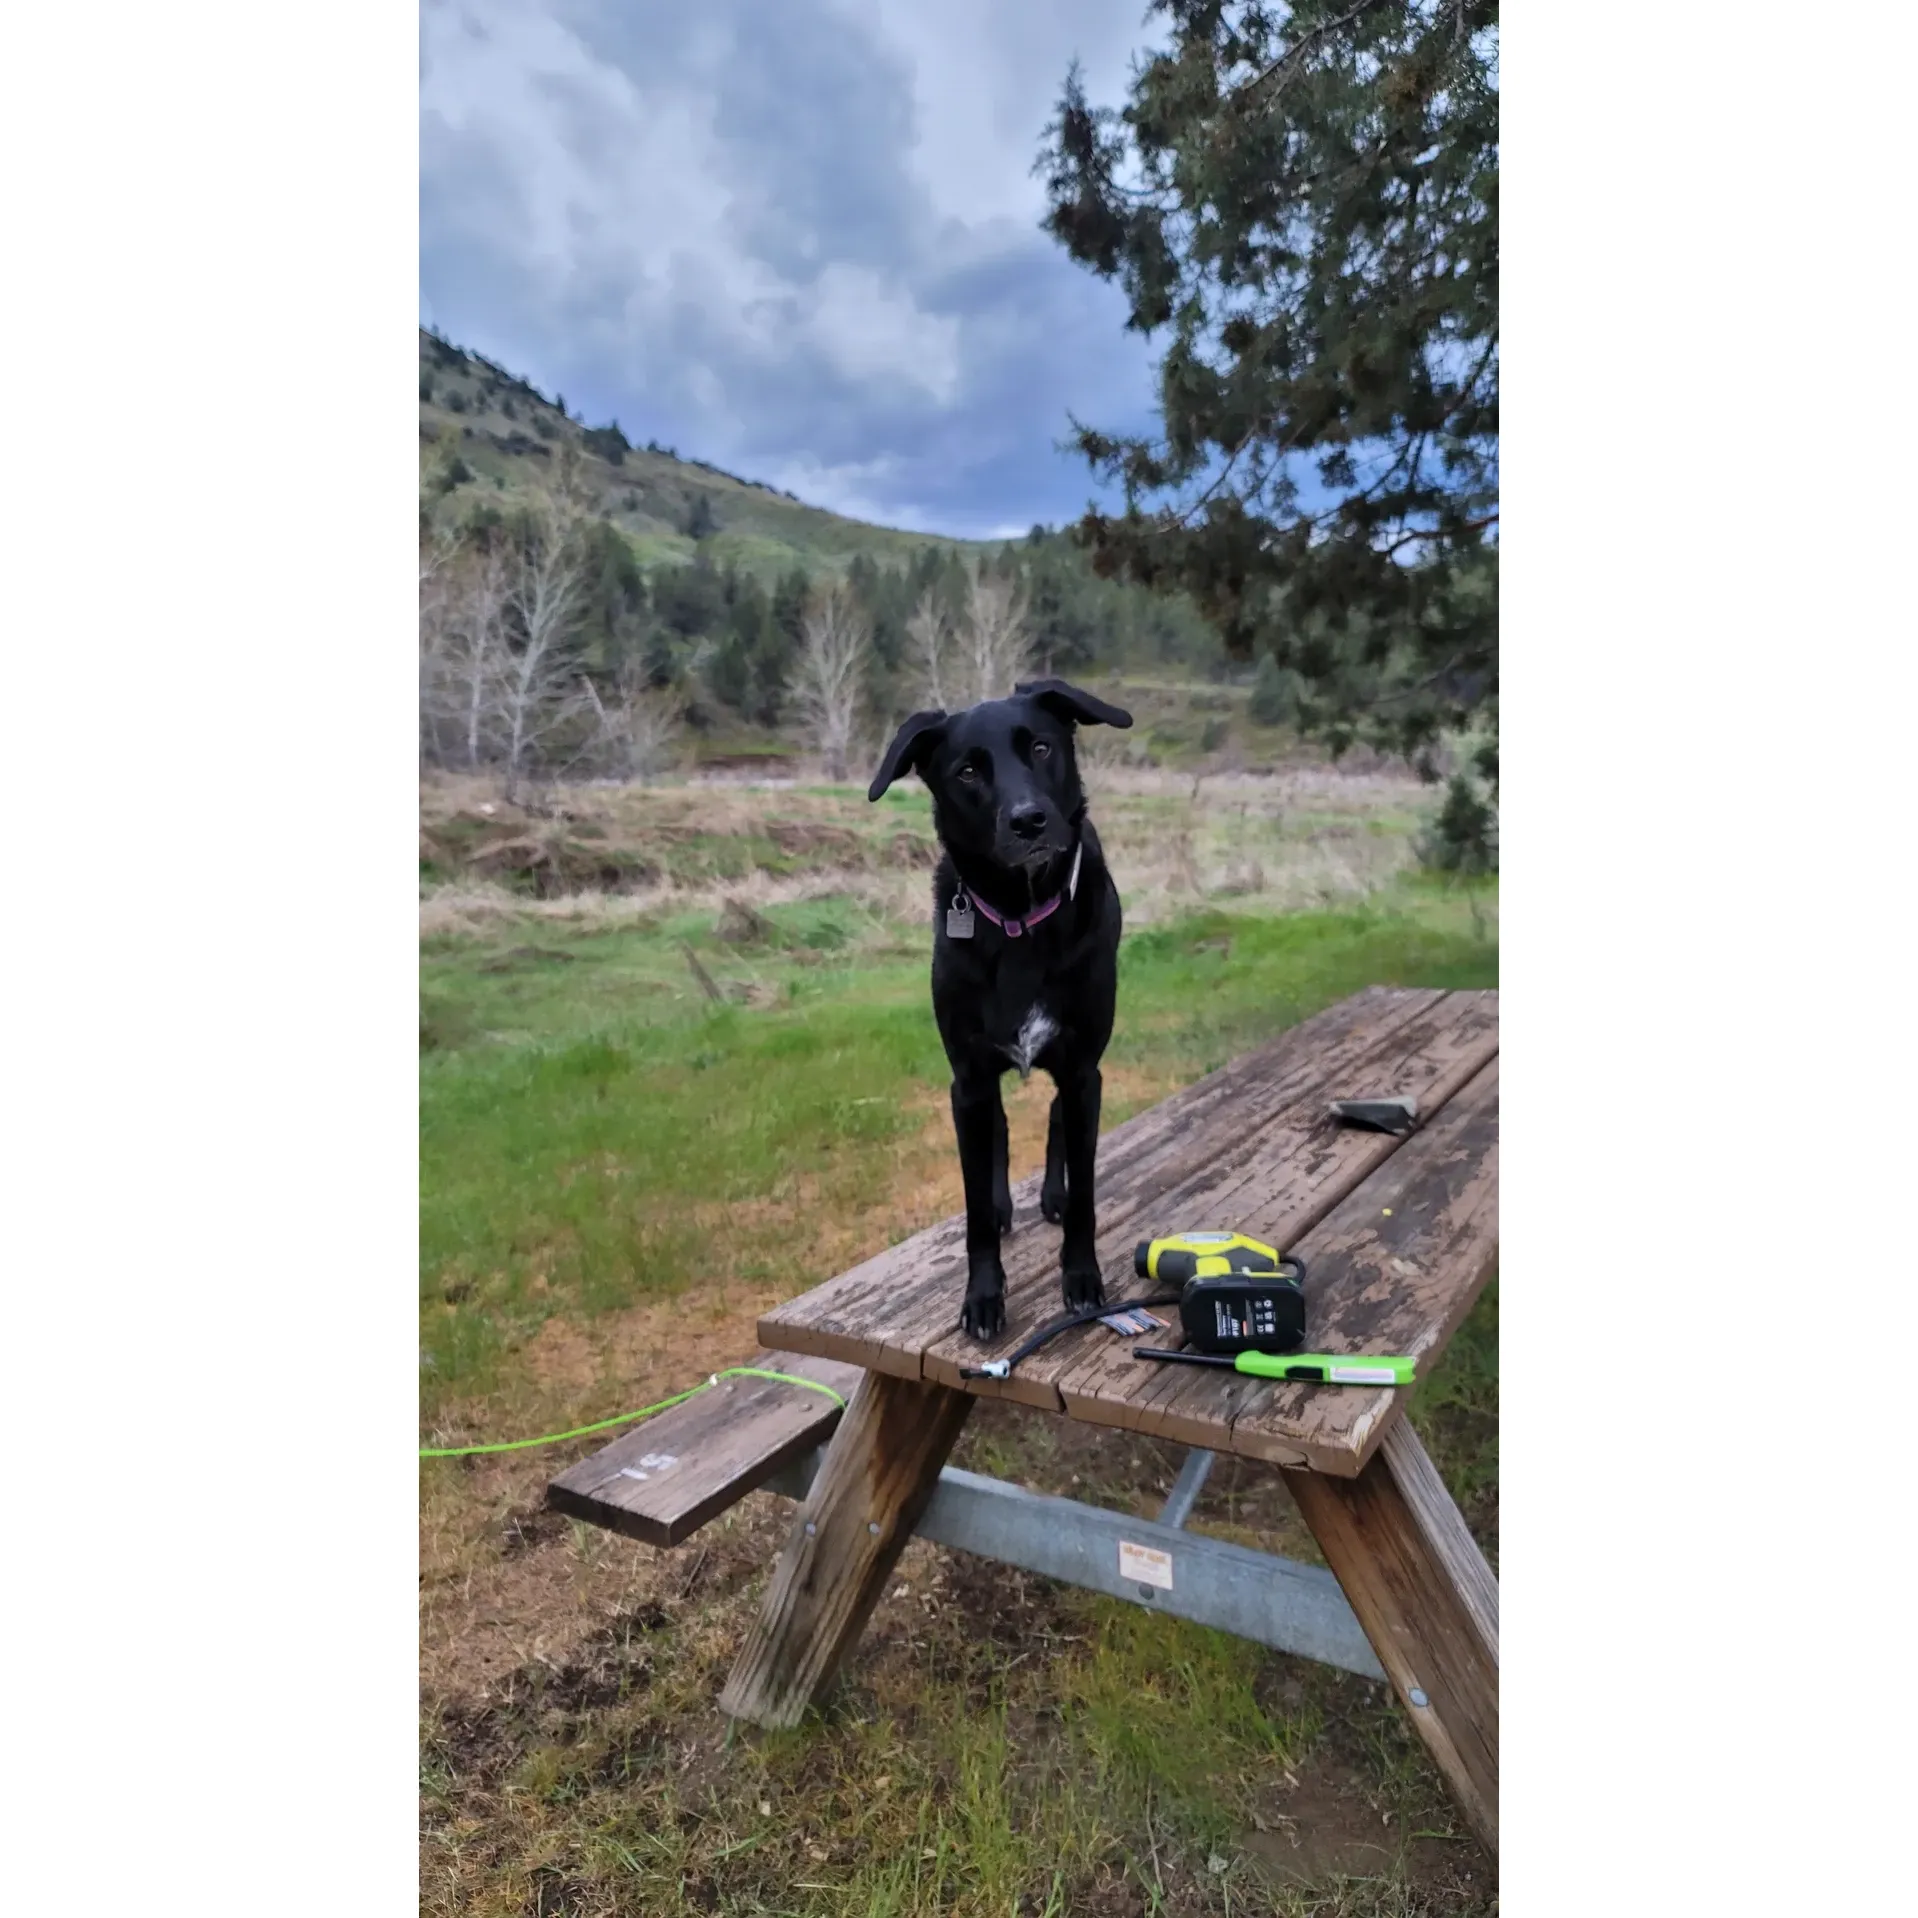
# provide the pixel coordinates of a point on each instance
(506, 434)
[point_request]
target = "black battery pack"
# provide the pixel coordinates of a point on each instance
(1244, 1312)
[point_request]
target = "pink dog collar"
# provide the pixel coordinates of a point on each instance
(1012, 928)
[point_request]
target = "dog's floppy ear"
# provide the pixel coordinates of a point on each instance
(1071, 705)
(908, 749)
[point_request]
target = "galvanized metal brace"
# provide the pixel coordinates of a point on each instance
(1257, 1595)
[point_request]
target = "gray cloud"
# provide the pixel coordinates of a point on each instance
(795, 237)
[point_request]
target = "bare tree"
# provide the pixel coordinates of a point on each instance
(996, 644)
(541, 689)
(463, 653)
(639, 725)
(835, 637)
(438, 555)
(931, 634)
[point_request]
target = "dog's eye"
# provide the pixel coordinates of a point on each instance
(968, 773)
(1040, 749)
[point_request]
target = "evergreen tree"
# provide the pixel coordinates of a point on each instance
(1303, 201)
(1063, 607)
(742, 641)
(614, 610)
(690, 600)
(885, 595)
(779, 646)
(1463, 837)
(789, 604)
(1271, 702)
(608, 442)
(659, 655)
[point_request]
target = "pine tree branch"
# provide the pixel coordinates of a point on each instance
(1429, 533)
(1301, 47)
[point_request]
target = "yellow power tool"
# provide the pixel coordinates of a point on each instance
(1236, 1294)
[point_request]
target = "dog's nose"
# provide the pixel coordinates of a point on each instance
(1028, 822)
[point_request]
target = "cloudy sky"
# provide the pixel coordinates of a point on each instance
(798, 238)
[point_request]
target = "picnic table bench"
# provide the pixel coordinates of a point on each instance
(1399, 1235)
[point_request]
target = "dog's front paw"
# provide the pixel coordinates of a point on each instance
(983, 1316)
(1082, 1284)
(1002, 1214)
(1052, 1201)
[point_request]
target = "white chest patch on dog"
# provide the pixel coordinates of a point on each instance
(1035, 1034)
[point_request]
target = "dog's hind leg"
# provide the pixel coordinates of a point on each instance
(1052, 1194)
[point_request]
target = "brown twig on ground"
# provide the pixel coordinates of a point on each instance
(704, 977)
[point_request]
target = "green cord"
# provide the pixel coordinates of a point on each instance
(626, 1418)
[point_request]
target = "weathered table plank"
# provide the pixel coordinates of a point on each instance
(664, 1479)
(1396, 1268)
(1300, 1178)
(1393, 1268)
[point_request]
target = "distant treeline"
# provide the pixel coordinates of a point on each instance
(729, 644)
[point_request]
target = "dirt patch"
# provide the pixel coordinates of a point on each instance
(637, 1753)
(551, 866)
(525, 1531)
(554, 1895)
(805, 838)
(479, 1735)
(768, 765)
(913, 849)
(995, 1617)
(526, 959)
(1324, 1826)
(607, 1667)
(562, 1354)
(740, 925)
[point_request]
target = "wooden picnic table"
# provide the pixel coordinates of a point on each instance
(1399, 1236)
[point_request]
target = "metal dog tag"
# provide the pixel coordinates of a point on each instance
(959, 920)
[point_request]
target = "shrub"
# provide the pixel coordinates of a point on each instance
(608, 442)
(1274, 693)
(1462, 836)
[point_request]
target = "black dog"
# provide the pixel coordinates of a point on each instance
(1025, 952)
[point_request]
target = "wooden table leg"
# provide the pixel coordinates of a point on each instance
(879, 1472)
(1428, 1602)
